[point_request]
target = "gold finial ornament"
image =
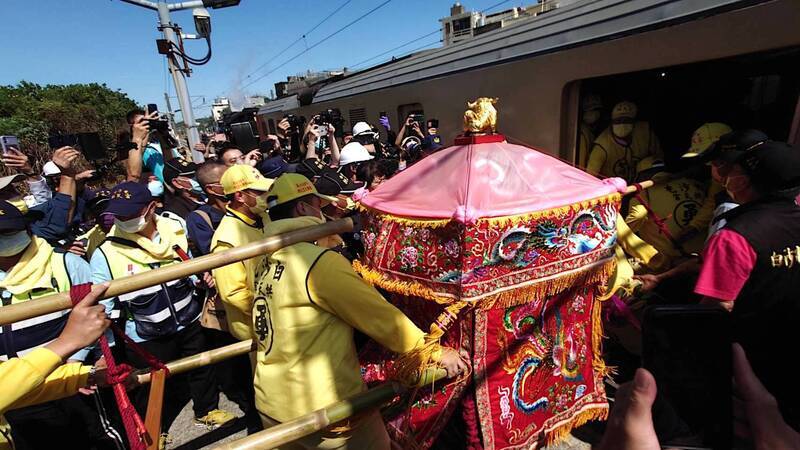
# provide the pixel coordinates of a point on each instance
(481, 117)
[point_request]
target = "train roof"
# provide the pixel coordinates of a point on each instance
(572, 25)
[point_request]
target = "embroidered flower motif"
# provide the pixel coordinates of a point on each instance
(408, 256)
(451, 248)
(425, 234)
(408, 231)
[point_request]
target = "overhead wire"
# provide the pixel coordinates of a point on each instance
(321, 41)
(359, 64)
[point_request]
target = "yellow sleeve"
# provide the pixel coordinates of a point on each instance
(597, 158)
(335, 287)
(702, 219)
(38, 377)
(637, 216)
(232, 285)
(635, 246)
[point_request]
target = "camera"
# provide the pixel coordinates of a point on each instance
(331, 117)
(202, 22)
(160, 124)
(418, 118)
(89, 144)
(295, 123)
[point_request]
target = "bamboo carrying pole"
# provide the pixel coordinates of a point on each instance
(201, 359)
(322, 418)
(643, 185)
(61, 301)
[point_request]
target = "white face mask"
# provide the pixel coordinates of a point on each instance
(14, 243)
(134, 225)
(622, 130)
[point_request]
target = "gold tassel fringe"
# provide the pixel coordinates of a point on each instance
(408, 368)
(504, 221)
(594, 273)
(559, 433)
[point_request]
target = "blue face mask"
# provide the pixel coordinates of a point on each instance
(14, 243)
(197, 191)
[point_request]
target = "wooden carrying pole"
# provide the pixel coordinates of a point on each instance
(201, 359)
(61, 301)
(320, 419)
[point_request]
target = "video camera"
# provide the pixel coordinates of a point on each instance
(161, 124)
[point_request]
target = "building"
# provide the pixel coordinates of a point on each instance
(298, 83)
(219, 107)
(462, 24)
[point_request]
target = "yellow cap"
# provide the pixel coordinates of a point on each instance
(242, 176)
(703, 137)
(626, 110)
(290, 186)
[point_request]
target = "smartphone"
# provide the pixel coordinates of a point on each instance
(322, 130)
(9, 142)
(382, 114)
(687, 348)
(151, 108)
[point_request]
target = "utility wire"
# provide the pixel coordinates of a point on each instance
(302, 37)
(419, 39)
(321, 41)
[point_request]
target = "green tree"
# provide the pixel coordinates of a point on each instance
(33, 112)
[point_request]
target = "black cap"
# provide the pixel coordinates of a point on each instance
(773, 166)
(178, 167)
(332, 183)
(311, 168)
(731, 146)
(11, 218)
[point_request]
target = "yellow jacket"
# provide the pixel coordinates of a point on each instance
(678, 203)
(609, 158)
(308, 300)
(628, 244)
(235, 282)
(585, 140)
(37, 377)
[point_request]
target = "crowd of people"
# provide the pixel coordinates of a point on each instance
(728, 227)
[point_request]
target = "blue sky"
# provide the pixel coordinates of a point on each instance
(111, 42)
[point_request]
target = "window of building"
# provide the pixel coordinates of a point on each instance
(461, 24)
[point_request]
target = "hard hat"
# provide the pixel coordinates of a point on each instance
(626, 110)
(361, 127)
(703, 137)
(354, 152)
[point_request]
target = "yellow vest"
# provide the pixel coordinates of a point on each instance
(677, 202)
(306, 357)
(60, 282)
(621, 160)
(236, 230)
(159, 310)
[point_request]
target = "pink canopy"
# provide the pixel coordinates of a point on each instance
(494, 179)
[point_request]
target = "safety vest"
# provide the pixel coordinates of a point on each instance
(156, 311)
(306, 357)
(22, 337)
(621, 160)
(677, 202)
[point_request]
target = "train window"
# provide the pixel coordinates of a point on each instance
(271, 125)
(357, 115)
(750, 91)
(404, 111)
